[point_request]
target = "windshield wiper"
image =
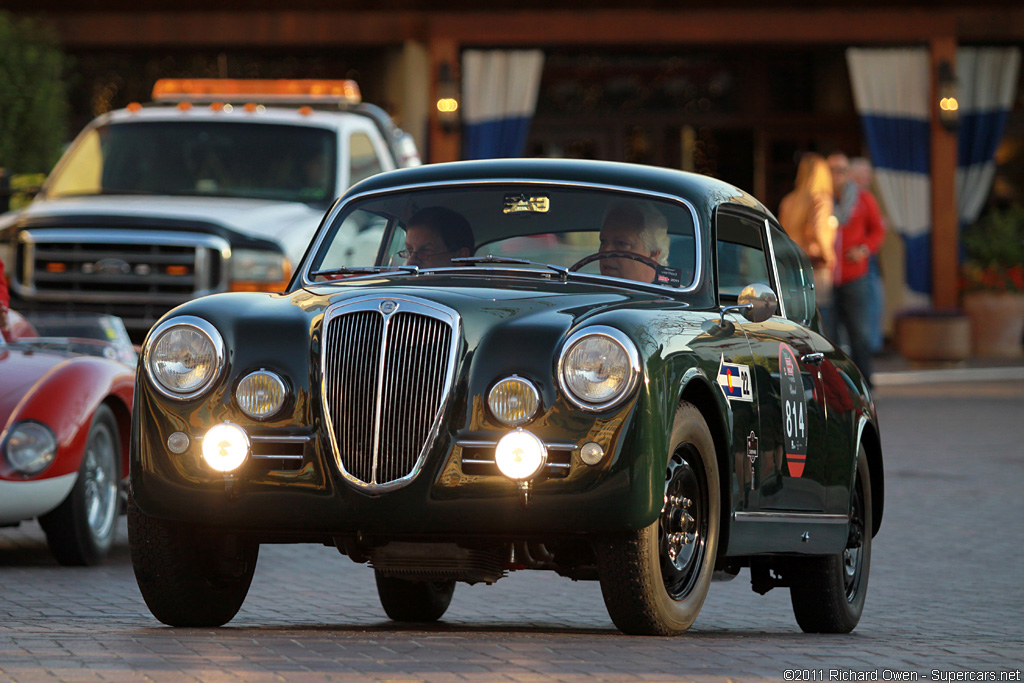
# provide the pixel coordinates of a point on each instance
(365, 270)
(563, 272)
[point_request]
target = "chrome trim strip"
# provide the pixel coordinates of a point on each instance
(698, 270)
(409, 304)
(276, 457)
(627, 345)
(204, 327)
(280, 439)
(791, 517)
(127, 236)
(551, 446)
(775, 268)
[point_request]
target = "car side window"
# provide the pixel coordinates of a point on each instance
(741, 255)
(363, 159)
(796, 279)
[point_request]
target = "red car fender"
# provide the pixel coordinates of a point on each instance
(65, 399)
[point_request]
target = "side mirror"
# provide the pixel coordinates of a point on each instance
(758, 302)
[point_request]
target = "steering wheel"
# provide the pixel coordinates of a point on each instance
(646, 260)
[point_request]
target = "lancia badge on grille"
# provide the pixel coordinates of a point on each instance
(388, 307)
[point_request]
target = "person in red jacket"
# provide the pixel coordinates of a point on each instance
(5, 300)
(859, 237)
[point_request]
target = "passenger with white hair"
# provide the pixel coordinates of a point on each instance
(639, 228)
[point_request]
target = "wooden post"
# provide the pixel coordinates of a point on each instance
(444, 145)
(945, 228)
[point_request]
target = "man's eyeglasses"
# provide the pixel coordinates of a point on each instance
(422, 253)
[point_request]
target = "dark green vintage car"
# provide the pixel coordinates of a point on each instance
(608, 371)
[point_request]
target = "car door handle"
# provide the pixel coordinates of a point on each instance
(812, 358)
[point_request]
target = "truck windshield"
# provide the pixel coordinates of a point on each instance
(218, 159)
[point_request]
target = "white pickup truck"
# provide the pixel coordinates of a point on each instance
(216, 186)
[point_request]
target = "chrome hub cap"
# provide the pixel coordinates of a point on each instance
(100, 483)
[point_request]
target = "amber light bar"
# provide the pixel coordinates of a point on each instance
(342, 91)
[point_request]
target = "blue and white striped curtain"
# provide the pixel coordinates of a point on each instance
(987, 81)
(891, 90)
(499, 96)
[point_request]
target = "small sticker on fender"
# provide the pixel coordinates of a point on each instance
(735, 381)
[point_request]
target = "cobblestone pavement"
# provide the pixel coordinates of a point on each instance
(946, 598)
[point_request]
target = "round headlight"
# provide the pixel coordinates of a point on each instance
(183, 356)
(513, 400)
(520, 454)
(225, 447)
(30, 447)
(260, 394)
(598, 368)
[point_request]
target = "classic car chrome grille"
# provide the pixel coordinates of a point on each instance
(386, 377)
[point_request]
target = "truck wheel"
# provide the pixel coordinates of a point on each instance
(189, 577)
(417, 601)
(81, 530)
(654, 580)
(828, 592)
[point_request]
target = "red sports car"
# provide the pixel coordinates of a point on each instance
(65, 417)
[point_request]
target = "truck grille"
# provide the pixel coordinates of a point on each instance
(137, 274)
(388, 366)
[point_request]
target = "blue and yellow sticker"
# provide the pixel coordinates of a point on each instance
(735, 381)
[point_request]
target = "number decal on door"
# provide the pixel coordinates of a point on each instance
(794, 410)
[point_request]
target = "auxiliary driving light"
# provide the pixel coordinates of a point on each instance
(513, 400)
(225, 447)
(520, 455)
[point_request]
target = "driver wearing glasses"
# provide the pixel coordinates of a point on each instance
(638, 228)
(434, 236)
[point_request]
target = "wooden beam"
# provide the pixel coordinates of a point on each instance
(557, 27)
(945, 229)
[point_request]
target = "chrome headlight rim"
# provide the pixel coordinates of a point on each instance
(273, 377)
(204, 327)
(534, 394)
(632, 354)
(5, 446)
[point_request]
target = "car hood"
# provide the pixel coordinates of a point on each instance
(19, 371)
(290, 224)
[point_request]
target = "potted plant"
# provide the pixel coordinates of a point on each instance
(992, 282)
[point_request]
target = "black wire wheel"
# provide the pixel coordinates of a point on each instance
(189, 576)
(81, 530)
(828, 592)
(654, 581)
(414, 601)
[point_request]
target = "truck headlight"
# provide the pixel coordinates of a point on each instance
(183, 356)
(520, 455)
(598, 368)
(255, 270)
(30, 447)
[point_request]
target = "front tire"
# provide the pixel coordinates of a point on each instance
(828, 592)
(654, 580)
(81, 530)
(414, 601)
(189, 577)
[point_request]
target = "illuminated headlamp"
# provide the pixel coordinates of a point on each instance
(520, 455)
(225, 447)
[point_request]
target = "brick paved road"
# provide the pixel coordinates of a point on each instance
(946, 593)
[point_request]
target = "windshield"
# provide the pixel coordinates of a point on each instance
(207, 158)
(616, 234)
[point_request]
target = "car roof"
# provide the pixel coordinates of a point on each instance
(704, 192)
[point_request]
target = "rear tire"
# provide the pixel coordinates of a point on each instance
(654, 580)
(81, 530)
(414, 601)
(189, 577)
(828, 592)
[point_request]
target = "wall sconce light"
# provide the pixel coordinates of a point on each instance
(447, 98)
(949, 107)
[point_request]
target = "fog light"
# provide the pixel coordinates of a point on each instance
(513, 400)
(520, 455)
(225, 447)
(260, 394)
